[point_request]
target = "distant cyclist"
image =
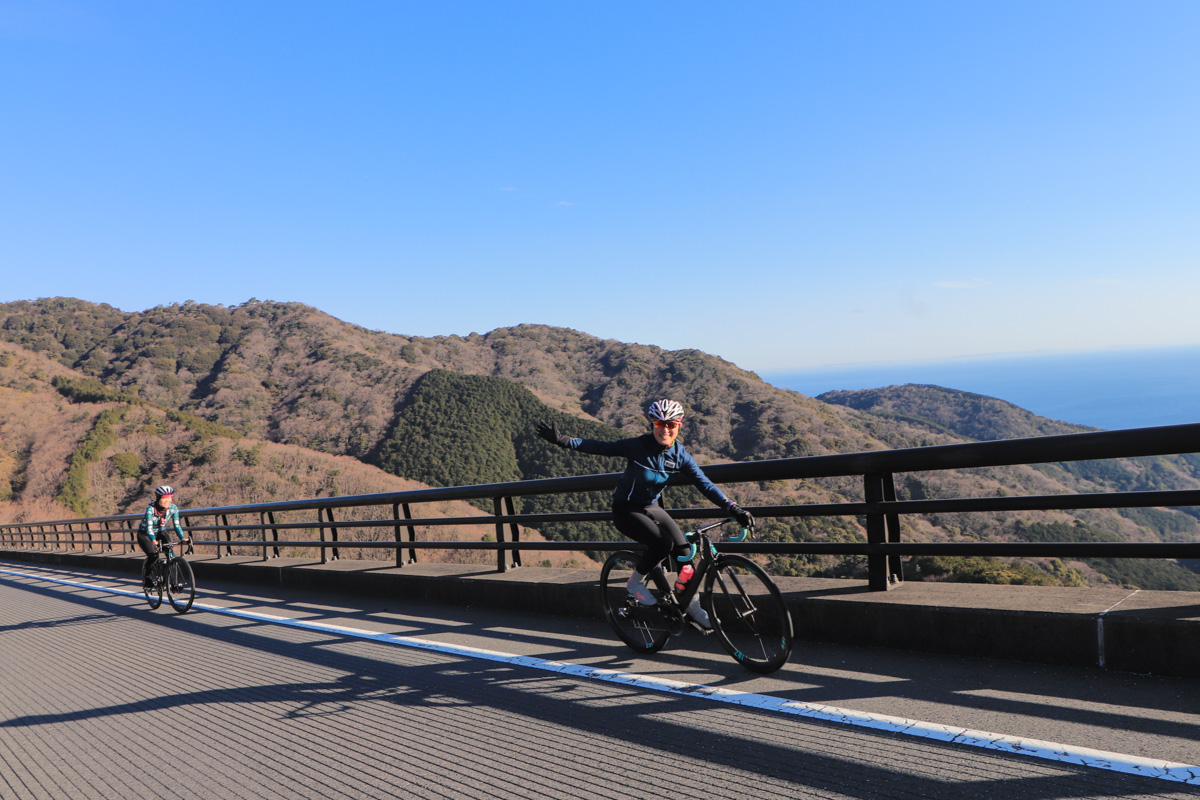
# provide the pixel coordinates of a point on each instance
(652, 459)
(160, 515)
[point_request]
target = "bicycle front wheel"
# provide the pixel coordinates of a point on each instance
(748, 613)
(181, 586)
(641, 627)
(152, 588)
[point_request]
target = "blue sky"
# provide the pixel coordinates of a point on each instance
(786, 185)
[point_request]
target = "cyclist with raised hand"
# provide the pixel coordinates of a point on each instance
(653, 459)
(160, 515)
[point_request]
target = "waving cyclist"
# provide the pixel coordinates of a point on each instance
(653, 458)
(160, 515)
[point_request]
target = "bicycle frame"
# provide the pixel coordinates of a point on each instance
(746, 610)
(706, 557)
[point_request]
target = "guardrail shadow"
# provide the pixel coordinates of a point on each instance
(389, 691)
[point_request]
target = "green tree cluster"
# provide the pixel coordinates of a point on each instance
(75, 488)
(204, 427)
(1134, 573)
(90, 390)
(974, 569)
(461, 430)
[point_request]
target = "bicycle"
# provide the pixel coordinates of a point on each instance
(174, 574)
(745, 607)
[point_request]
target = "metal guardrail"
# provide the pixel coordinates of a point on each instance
(880, 508)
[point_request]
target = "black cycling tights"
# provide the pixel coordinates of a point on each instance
(653, 527)
(147, 545)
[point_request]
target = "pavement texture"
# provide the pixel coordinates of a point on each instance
(100, 697)
(1119, 629)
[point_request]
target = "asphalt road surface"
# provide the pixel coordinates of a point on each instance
(259, 694)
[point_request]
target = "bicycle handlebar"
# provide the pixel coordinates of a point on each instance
(741, 537)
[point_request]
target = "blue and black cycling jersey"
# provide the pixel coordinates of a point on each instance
(650, 466)
(153, 525)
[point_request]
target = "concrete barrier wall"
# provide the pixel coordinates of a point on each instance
(1111, 628)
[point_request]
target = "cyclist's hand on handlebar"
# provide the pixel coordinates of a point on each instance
(552, 434)
(743, 517)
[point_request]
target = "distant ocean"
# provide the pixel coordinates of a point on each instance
(1111, 390)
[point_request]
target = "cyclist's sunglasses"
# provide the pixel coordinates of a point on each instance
(670, 424)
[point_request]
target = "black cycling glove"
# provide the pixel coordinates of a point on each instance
(743, 517)
(552, 435)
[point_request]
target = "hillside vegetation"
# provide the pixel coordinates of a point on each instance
(61, 459)
(460, 410)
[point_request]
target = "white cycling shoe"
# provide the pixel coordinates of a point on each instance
(698, 614)
(637, 587)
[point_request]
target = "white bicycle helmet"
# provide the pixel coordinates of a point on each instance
(665, 410)
(163, 490)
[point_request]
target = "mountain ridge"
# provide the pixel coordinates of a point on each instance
(291, 375)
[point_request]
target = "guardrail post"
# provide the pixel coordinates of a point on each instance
(501, 559)
(322, 512)
(224, 521)
(333, 534)
(514, 530)
(274, 535)
(262, 533)
(412, 533)
(883, 571)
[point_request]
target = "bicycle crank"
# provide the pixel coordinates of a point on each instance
(658, 616)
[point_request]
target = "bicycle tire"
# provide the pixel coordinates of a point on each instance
(181, 585)
(748, 614)
(641, 629)
(153, 591)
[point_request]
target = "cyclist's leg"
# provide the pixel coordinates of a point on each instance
(147, 545)
(681, 553)
(679, 550)
(653, 527)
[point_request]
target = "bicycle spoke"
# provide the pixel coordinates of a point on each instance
(640, 627)
(749, 614)
(152, 588)
(181, 586)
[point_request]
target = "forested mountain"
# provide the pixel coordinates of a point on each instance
(965, 414)
(71, 448)
(457, 410)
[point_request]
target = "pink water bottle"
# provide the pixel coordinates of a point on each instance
(685, 575)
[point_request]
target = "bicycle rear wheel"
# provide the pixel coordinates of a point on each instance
(748, 614)
(152, 589)
(641, 627)
(181, 585)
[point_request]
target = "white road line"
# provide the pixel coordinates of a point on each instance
(1051, 751)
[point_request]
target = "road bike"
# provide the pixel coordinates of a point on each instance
(174, 575)
(746, 608)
